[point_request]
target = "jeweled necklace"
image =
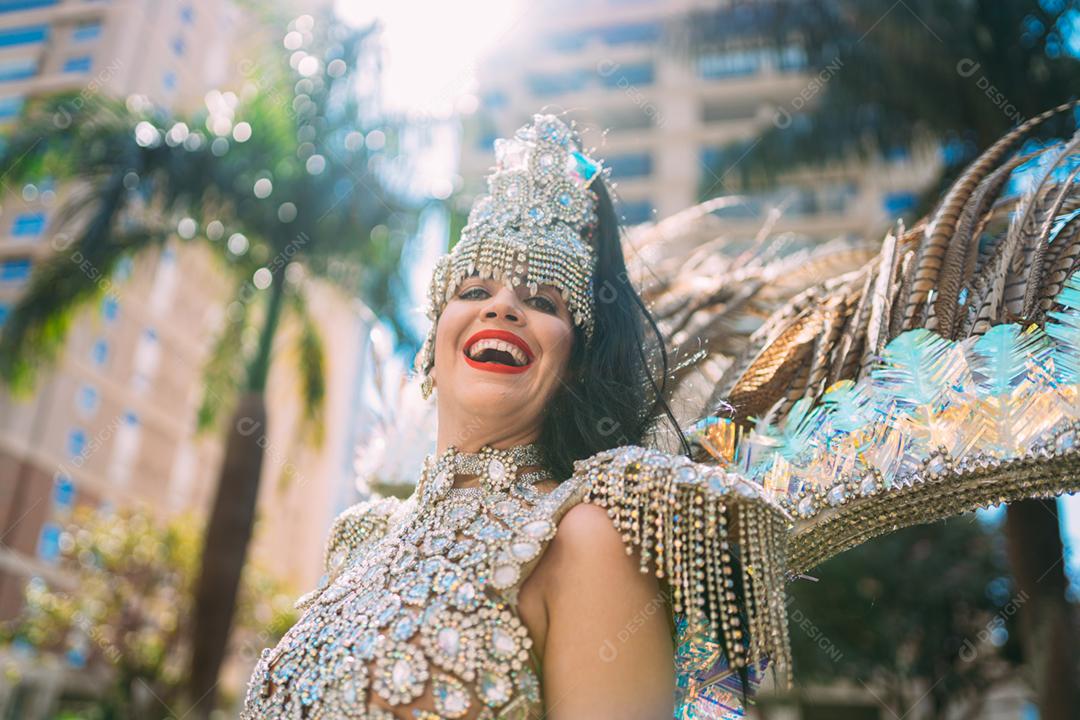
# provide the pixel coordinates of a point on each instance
(495, 468)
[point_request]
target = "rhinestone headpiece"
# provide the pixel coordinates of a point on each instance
(533, 227)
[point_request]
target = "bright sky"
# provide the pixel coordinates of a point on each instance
(432, 47)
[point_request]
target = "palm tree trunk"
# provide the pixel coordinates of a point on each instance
(231, 520)
(1049, 635)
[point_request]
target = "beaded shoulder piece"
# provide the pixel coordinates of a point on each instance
(357, 525)
(351, 530)
(707, 532)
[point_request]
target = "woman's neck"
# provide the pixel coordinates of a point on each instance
(472, 442)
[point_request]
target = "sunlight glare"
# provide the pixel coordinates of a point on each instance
(432, 50)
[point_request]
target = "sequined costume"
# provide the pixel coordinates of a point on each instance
(900, 393)
(419, 617)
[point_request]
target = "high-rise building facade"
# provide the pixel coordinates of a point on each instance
(659, 115)
(113, 420)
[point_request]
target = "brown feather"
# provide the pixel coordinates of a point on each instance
(941, 229)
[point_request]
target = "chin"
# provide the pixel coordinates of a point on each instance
(487, 394)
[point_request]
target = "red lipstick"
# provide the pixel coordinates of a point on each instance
(505, 336)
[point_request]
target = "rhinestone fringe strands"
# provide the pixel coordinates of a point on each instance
(675, 513)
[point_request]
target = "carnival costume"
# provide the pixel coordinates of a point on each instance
(418, 617)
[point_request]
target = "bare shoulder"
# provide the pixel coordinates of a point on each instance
(589, 559)
(606, 623)
(587, 531)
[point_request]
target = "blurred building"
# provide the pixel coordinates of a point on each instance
(658, 114)
(114, 422)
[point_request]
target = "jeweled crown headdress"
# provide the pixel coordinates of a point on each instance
(533, 227)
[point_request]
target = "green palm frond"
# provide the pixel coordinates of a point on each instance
(223, 372)
(74, 276)
(311, 365)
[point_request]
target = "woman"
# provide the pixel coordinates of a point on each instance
(537, 571)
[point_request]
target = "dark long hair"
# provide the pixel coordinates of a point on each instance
(614, 390)
(613, 393)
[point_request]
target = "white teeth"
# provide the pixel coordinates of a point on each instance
(493, 344)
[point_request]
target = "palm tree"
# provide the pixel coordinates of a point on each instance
(286, 175)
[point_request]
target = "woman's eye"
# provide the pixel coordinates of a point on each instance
(543, 304)
(474, 293)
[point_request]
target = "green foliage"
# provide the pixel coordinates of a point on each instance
(930, 603)
(224, 369)
(124, 600)
(136, 170)
(311, 364)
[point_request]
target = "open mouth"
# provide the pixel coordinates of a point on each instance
(498, 351)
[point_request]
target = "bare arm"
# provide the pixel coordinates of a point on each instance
(608, 652)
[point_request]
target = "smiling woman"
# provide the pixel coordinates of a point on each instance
(540, 569)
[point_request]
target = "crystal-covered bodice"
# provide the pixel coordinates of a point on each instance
(419, 618)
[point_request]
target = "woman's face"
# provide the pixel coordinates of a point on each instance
(500, 354)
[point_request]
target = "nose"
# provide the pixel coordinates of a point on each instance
(504, 304)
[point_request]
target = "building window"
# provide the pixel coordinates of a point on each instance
(49, 542)
(557, 83)
(76, 442)
(712, 158)
(733, 63)
(10, 107)
(187, 14)
(621, 119)
(898, 153)
(836, 197)
(494, 100)
(125, 449)
(636, 211)
(21, 69)
(110, 308)
(28, 224)
(99, 353)
(63, 495)
(88, 399)
(16, 5)
(123, 268)
(729, 111)
(568, 42)
(630, 165)
(168, 80)
(146, 359)
(79, 64)
(631, 34)
(24, 35)
(86, 32)
(17, 270)
(629, 75)
(792, 58)
(178, 46)
(899, 202)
